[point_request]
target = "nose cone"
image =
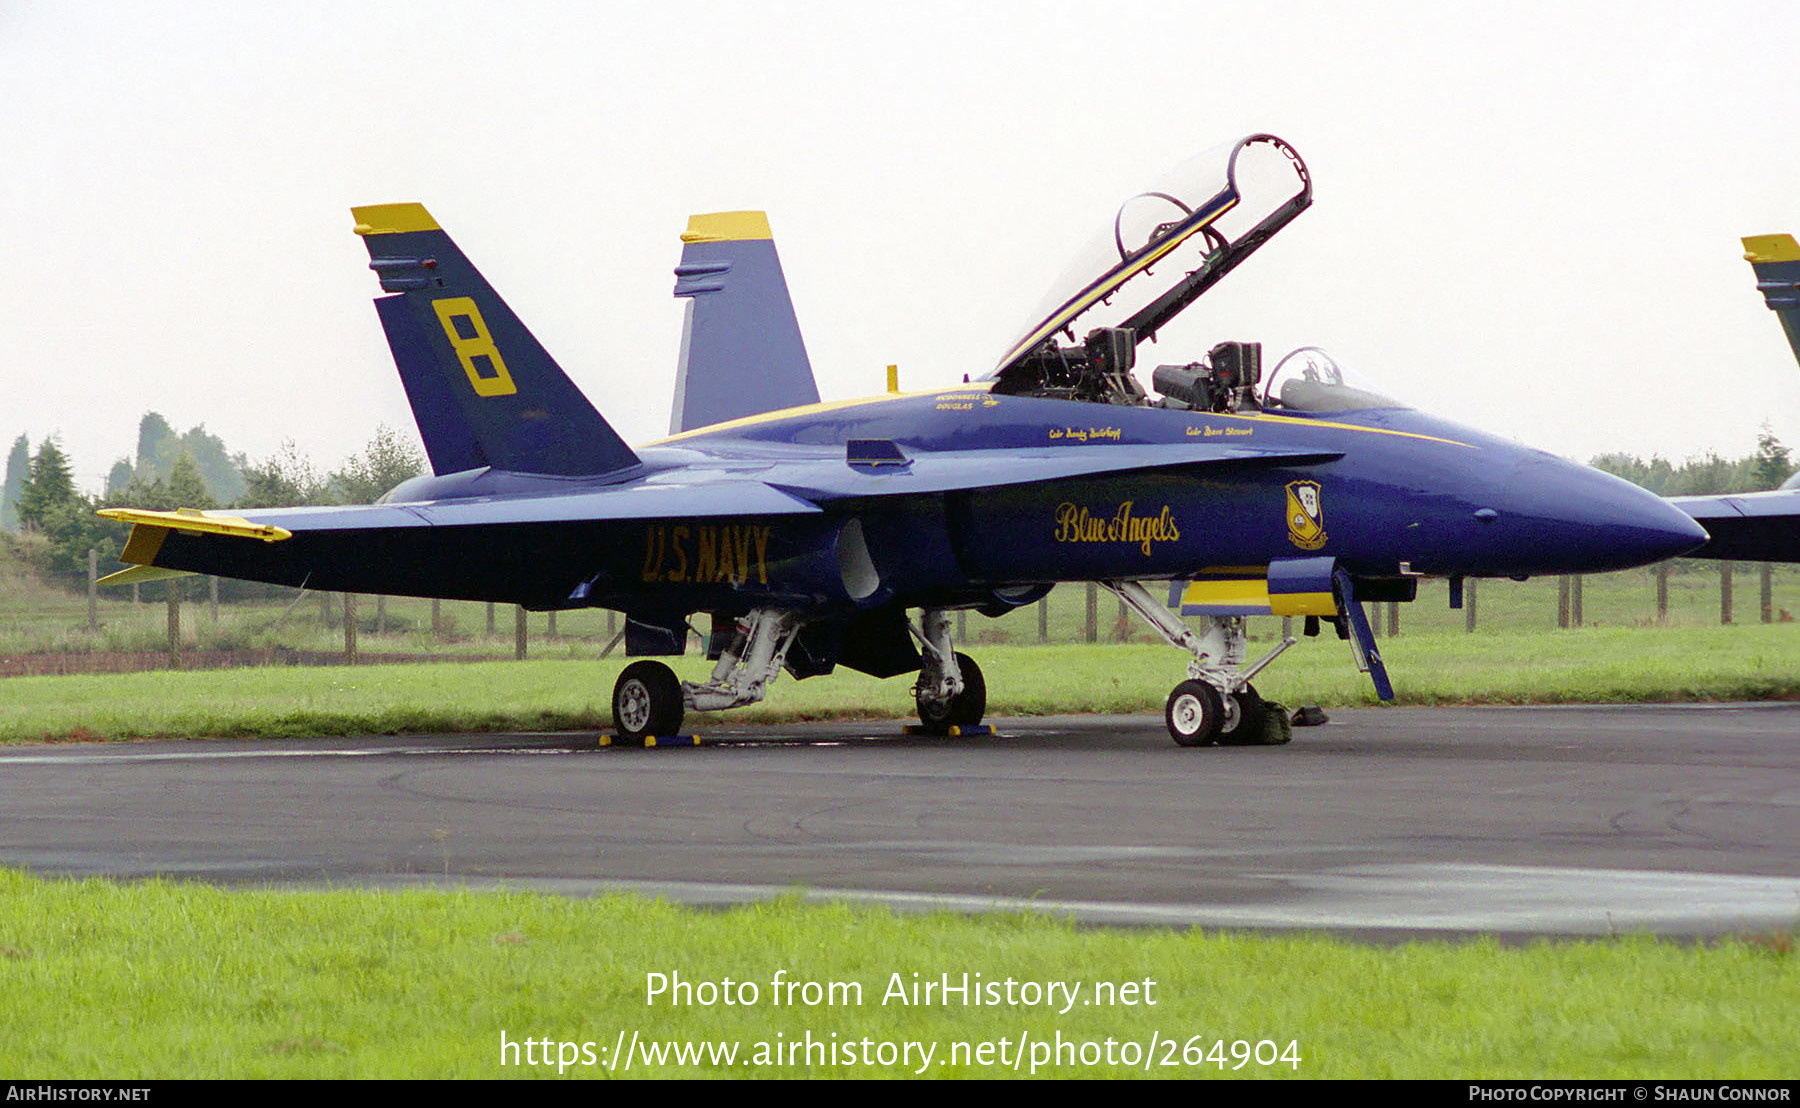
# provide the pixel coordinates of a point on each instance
(1567, 518)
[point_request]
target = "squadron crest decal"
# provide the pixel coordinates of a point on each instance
(1305, 515)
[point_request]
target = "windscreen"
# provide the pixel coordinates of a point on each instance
(1310, 380)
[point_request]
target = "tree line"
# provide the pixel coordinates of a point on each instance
(173, 470)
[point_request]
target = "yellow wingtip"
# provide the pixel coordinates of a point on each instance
(727, 227)
(393, 219)
(1771, 248)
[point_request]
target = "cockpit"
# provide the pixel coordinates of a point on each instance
(1160, 252)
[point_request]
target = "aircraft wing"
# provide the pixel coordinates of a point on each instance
(1753, 527)
(638, 501)
(531, 550)
(880, 468)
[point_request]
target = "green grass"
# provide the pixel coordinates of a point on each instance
(161, 980)
(1597, 665)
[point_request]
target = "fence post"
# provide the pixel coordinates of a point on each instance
(611, 623)
(349, 628)
(1043, 607)
(1662, 591)
(324, 610)
(1562, 603)
(437, 623)
(1122, 625)
(174, 595)
(519, 633)
(94, 589)
(381, 614)
(1575, 601)
(1093, 613)
(1725, 591)
(1469, 605)
(1393, 619)
(1768, 592)
(490, 615)
(551, 630)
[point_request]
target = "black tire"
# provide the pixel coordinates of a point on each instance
(1250, 725)
(965, 709)
(1193, 713)
(647, 701)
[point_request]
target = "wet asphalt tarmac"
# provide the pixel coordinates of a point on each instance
(1677, 819)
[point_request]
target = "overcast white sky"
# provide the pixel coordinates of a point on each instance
(1525, 218)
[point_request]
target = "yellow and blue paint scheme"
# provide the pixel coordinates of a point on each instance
(852, 512)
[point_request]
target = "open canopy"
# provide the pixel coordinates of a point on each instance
(1165, 246)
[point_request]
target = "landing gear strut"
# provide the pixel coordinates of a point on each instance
(1216, 703)
(951, 691)
(649, 700)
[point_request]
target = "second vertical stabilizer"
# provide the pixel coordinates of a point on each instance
(741, 350)
(1776, 259)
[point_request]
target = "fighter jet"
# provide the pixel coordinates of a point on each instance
(809, 533)
(1759, 526)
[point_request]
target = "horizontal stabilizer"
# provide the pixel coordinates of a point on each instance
(142, 575)
(189, 520)
(741, 350)
(1752, 527)
(483, 390)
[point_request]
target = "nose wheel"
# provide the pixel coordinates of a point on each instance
(1194, 713)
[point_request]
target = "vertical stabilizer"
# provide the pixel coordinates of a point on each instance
(482, 388)
(1776, 259)
(741, 350)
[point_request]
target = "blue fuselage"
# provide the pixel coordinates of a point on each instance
(969, 498)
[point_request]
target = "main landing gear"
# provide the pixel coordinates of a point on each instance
(1217, 703)
(649, 700)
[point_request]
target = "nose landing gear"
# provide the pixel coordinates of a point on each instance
(1217, 703)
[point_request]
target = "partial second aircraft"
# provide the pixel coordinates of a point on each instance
(809, 533)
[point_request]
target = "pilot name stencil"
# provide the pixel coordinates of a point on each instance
(728, 552)
(1074, 523)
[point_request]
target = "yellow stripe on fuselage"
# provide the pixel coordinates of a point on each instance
(987, 386)
(1252, 592)
(814, 409)
(1297, 421)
